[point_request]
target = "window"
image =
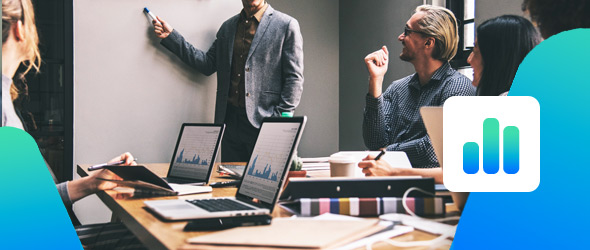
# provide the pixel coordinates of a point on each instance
(464, 11)
(45, 104)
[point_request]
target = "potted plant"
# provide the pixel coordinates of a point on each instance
(295, 169)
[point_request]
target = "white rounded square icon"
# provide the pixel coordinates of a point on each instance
(491, 144)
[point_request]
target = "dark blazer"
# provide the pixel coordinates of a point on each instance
(274, 67)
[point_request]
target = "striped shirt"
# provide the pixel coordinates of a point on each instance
(393, 119)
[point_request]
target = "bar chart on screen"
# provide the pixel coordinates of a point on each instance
(269, 160)
(195, 152)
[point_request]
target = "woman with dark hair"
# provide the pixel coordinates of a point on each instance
(500, 46)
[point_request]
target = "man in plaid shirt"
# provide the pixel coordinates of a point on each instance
(392, 119)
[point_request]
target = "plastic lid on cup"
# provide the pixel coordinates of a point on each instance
(341, 158)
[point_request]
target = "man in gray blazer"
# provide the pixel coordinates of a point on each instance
(258, 57)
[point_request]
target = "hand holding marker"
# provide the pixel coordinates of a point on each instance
(161, 28)
(149, 13)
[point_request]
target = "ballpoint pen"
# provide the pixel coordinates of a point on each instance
(229, 171)
(99, 166)
(380, 154)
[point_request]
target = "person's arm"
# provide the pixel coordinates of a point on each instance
(374, 127)
(374, 123)
(382, 168)
(204, 62)
(292, 62)
(419, 151)
(75, 190)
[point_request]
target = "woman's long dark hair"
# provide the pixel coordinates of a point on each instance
(503, 41)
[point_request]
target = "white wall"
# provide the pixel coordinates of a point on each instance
(131, 94)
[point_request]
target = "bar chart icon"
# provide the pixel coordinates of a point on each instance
(491, 150)
(491, 144)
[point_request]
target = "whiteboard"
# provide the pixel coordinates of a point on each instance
(130, 93)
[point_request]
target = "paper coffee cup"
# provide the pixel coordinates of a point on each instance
(342, 165)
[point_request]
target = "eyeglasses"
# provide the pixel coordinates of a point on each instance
(407, 31)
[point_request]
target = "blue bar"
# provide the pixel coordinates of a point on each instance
(511, 150)
(334, 206)
(470, 158)
(491, 146)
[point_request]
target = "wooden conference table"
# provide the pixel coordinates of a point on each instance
(157, 234)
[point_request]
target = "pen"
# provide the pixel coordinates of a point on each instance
(380, 154)
(225, 183)
(229, 171)
(99, 166)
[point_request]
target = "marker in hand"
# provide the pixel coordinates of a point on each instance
(152, 16)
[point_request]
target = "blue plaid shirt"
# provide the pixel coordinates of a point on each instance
(393, 119)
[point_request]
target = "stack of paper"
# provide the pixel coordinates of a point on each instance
(316, 163)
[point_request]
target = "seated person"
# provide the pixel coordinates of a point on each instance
(20, 45)
(392, 119)
(500, 46)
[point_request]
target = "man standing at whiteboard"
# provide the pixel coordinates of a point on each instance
(258, 57)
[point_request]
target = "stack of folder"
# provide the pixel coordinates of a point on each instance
(371, 206)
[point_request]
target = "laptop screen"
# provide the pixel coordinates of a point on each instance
(195, 151)
(271, 158)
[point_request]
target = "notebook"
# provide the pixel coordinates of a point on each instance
(195, 153)
(146, 183)
(263, 179)
(289, 233)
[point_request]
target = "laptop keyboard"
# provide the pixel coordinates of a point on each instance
(219, 205)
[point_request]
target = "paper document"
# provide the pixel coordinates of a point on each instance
(315, 159)
(315, 166)
(189, 189)
(288, 233)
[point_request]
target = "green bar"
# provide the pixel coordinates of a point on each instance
(491, 146)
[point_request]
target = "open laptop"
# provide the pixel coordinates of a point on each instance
(195, 153)
(433, 121)
(263, 178)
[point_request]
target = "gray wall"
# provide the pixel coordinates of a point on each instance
(485, 10)
(319, 26)
(365, 26)
(131, 94)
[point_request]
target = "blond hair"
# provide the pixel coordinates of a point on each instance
(22, 10)
(441, 24)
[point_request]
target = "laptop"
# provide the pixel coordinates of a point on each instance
(263, 179)
(433, 121)
(195, 153)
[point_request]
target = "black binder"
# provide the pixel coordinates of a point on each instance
(367, 187)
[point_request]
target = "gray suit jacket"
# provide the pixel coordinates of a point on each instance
(274, 67)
